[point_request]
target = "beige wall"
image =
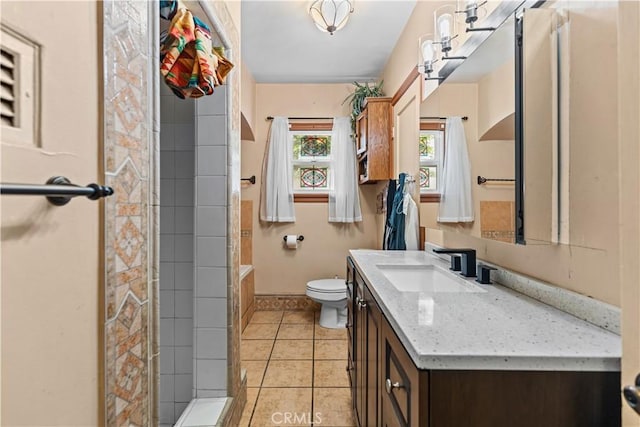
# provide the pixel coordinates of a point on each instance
(51, 262)
(405, 54)
(323, 252)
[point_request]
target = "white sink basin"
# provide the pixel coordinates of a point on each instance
(426, 278)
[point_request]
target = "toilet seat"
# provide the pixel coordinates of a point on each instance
(327, 286)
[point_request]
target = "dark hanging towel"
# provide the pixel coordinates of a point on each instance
(395, 225)
(391, 192)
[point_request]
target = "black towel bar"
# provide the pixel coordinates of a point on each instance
(482, 179)
(58, 190)
(251, 179)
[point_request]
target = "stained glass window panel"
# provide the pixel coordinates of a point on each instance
(311, 178)
(311, 146)
(428, 177)
(427, 146)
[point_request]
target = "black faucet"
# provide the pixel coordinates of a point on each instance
(468, 259)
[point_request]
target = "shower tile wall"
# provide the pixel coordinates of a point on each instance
(212, 273)
(177, 212)
(193, 251)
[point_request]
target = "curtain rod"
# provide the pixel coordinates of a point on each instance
(465, 118)
(304, 118)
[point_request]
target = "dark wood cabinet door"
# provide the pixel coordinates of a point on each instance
(525, 399)
(360, 360)
(404, 388)
(373, 343)
(350, 323)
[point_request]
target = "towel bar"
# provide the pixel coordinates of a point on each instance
(482, 179)
(58, 190)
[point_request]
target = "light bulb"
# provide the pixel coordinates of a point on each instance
(444, 26)
(428, 52)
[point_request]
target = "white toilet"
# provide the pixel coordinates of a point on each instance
(332, 294)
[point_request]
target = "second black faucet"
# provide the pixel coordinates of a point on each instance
(468, 267)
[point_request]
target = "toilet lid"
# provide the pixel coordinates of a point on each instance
(327, 285)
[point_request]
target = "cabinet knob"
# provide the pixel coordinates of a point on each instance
(632, 395)
(361, 304)
(389, 386)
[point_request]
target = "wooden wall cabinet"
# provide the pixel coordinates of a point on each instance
(374, 140)
(389, 390)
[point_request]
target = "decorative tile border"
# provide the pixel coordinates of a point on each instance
(285, 302)
(131, 144)
(129, 245)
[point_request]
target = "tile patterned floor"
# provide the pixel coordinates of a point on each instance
(295, 372)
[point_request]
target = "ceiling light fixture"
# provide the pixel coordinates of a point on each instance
(330, 15)
(446, 30)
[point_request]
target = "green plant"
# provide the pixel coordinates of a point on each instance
(356, 99)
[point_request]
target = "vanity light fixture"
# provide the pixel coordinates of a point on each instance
(470, 8)
(445, 26)
(330, 15)
(427, 56)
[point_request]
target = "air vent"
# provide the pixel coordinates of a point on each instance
(19, 88)
(8, 88)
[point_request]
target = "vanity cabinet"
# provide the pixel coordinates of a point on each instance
(389, 390)
(374, 140)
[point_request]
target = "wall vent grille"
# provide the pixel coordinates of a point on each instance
(8, 91)
(19, 88)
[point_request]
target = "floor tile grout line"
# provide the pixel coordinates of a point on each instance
(273, 344)
(313, 340)
(313, 367)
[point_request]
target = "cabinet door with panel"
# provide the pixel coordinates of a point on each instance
(405, 387)
(373, 317)
(350, 323)
(374, 137)
(360, 360)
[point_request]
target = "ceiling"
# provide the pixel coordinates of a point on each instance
(281, 44)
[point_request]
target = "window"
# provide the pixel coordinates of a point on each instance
(311, 158)
(431, 146)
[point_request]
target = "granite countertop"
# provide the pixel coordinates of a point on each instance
(499, 329)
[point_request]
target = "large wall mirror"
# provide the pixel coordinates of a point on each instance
(541, 126)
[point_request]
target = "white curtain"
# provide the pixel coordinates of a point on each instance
(276, 204)
(456, 203)
(344, 200)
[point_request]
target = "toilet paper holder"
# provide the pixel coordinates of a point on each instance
(299, 239)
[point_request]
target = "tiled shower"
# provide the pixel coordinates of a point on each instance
(193, 251)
